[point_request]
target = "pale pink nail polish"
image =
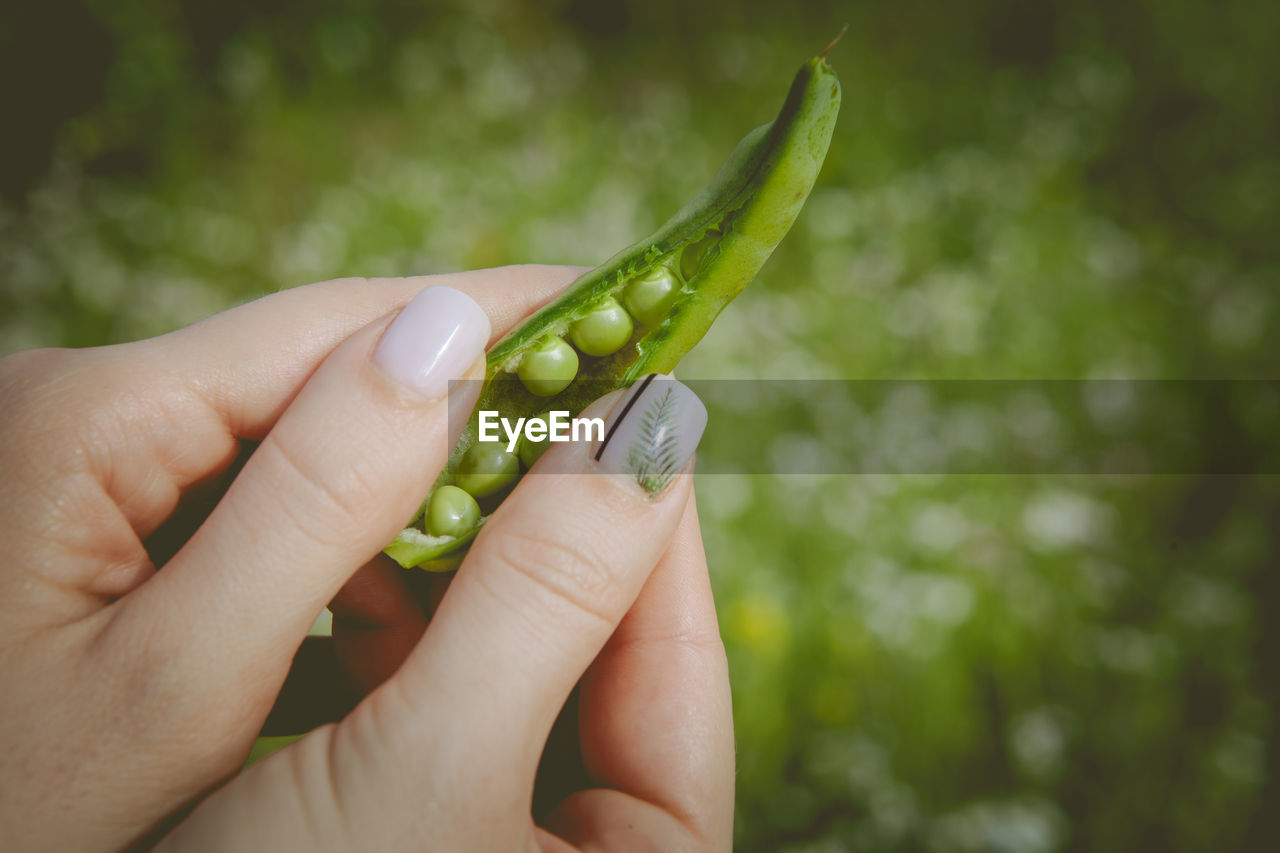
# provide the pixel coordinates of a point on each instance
(435, 338)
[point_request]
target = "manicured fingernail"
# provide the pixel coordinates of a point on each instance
(653, 431)
(435, 338)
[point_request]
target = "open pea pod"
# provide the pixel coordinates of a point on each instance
(637, 313)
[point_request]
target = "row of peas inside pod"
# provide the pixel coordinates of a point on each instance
(488, 469)
(638, 313)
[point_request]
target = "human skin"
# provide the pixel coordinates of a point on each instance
(131, 696)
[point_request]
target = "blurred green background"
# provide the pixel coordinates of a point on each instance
(1015, 190)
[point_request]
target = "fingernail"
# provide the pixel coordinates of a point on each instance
(435, 338)
(653, 431)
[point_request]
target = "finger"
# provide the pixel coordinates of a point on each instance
(377, 620)
(544, 585)
(223, 358)
(149, 420)
(376, 623)
(548, 580)
(655, 712)
(336, 478)
(159, 415)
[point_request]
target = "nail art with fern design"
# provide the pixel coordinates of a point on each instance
(653, 431)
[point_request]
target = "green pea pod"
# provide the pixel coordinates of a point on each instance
(705, 255)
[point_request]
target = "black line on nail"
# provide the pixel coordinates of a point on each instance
(623, 416)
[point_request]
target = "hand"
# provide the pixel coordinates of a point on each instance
(128, 694)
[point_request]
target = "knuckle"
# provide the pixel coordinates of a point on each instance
(46, 399)
(572, 571)
(27, 377)
(328, 503)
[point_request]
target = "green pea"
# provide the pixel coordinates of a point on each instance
(451, 512)
(604, 330)
(755, 196)
(487, 468)
(548, 367)
(531, 451)
(694, 254)
(649, 296)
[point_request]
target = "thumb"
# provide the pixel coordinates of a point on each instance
(334, 480)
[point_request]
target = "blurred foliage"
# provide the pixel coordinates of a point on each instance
(1016, 190)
